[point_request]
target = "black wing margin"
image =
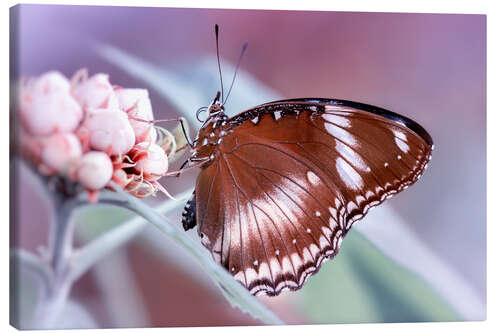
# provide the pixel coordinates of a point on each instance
(288, 106)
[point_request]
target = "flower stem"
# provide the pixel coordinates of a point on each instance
(85, 257)
(61, 233)
(60, 248)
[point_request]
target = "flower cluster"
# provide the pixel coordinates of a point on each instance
(92, 132)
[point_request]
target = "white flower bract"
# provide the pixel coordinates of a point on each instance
(95, 92)
(47, 106)
(153, 163)
(95, 170)
(60, 150)
(110, 130)
(136, 103)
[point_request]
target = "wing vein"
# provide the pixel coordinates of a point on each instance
(298, 185)
(255, 217)
(209, 197)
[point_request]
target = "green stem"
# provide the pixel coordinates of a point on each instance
(60, 248)
(87, 256)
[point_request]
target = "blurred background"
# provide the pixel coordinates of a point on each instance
(429, 67)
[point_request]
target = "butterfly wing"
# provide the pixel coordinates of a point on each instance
(291, 177)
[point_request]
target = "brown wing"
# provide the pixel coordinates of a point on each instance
(287, 184)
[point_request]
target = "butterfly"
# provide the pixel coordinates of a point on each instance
(281, 184)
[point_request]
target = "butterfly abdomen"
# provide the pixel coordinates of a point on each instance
(189, 214)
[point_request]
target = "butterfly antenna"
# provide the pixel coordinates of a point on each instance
(218, 58)
(236, 70)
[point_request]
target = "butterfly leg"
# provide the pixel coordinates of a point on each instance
(188, 140)
(179, 119)
(183, 169)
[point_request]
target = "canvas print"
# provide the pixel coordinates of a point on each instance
(213, 167)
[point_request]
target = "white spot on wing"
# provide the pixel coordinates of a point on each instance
(349, 154)
(318, 213)
(333, 223)
(348, 175)
(312, 178)
(339, 120)
(400, 135)
(341, 133)
(251, 274)
(337, 203)
(327, 232)
(240, 277)
(287, 265)
(314, 250)
(265, 271)
(296, 260)
(255, 120)
(351, 206)
(401, 144)
(275, 266)
(306, 254)
(359, 199)
(277, 115)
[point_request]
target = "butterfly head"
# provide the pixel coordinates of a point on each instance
(215, 111)
(216, 108)
(215, 127)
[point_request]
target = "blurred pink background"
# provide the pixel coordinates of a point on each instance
(429, 67)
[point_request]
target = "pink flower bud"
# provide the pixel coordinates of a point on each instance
(31, 146)
(47, 106)
(95, 92)
(136, 103)
(109, 130)
(60, 150)
(95, 170)
(51, 83)
(150, 159)
(120, 177)
(149, 136)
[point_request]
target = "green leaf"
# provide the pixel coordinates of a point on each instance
(363, 285)
(96, 220)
